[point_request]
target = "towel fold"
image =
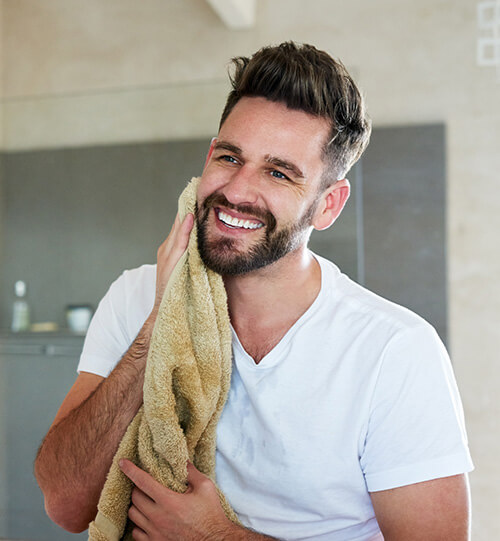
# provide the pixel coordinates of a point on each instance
(186, 382)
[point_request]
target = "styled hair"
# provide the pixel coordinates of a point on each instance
(307, 79)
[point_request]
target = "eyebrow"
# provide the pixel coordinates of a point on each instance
(284, 164)
(228, 146)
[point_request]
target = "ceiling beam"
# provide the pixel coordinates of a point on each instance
(235, 14)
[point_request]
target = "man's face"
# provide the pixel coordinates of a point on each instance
(260, 187)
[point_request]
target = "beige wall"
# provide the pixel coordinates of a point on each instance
(111, 71)
(3, 457)
(1, 121)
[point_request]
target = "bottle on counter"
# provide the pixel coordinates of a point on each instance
(20, 309)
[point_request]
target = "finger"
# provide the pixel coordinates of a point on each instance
(138, 518)
(188, 222)
(195, 478)
(175, 228)
(139, 535)
(141, 479)
(177, 221)
(170, 238)
(178, 239)
(170, 252)
(185, 230)
(142, 501)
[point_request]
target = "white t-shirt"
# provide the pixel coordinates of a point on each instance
(359, 396)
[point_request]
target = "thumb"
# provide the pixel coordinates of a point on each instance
(194, 477)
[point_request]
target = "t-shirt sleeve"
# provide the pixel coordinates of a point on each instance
(108, 336)
(416, 429)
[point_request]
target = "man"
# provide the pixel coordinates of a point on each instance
(343, 421)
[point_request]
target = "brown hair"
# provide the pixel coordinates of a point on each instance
(305, 78)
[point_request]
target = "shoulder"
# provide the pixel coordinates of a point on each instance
(131, 297)
(364, 309)
(133, 288)
(118, 318)
(132, 280)
(387, 340)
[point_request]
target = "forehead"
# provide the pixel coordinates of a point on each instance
(261, 128)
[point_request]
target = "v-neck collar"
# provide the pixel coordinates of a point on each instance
(274, 356)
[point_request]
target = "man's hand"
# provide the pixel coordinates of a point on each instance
(169, 254)
(161, 514)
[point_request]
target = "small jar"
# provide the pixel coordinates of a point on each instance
(78, 317)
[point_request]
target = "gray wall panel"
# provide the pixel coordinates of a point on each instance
(3, 417)
(404, 202)
(76, 218)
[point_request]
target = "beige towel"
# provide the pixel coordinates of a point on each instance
(186, 383)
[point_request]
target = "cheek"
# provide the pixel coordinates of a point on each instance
(211, 178)
(206, 187)
(212, 181)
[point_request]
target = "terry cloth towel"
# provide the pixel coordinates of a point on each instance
(186, 382)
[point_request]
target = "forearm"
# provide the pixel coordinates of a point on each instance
(75, 457)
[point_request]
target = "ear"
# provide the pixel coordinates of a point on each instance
(210, 151)
(331, 204)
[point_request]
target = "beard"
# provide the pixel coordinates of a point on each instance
(222, 256)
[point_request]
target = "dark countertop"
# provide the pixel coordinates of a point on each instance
(29, 335)
(62, 342)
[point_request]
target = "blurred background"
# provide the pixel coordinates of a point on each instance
(107, 109)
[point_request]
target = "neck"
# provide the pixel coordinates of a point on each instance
(280, 292)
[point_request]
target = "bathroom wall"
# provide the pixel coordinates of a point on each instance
(3, 458)
(1, 75)
(97, 65)
(404, 212)
(76, 218)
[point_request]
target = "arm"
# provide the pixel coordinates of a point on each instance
(437, 510)
(75, 456)
(417, 432)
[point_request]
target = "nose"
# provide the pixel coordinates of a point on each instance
(241, 187)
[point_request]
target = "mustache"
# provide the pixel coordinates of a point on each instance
(218, 199)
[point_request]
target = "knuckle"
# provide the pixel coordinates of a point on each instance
(205, 484)
(135, 495)
(137, 534)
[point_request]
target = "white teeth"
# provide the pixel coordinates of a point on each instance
(235, 222)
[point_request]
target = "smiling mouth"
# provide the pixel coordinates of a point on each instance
(236, 223)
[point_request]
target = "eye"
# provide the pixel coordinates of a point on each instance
(279, 175)
(228, 158)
